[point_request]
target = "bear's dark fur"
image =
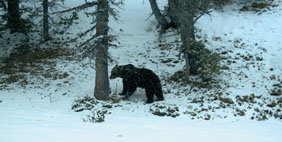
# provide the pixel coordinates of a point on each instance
(133, 77)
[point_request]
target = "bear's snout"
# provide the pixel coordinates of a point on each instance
(112, 77)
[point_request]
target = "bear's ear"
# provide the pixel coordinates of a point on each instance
(116, 67)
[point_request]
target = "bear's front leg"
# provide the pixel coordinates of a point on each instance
(127, 95)
(130, 90)
(123, 93)
(125, 87)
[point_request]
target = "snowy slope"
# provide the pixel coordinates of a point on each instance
(42, 111)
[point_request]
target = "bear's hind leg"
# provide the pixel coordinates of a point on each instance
(159, 94)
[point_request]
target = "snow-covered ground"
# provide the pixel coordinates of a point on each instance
(251, 43)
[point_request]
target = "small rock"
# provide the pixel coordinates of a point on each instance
(273, 104)
(47, 75)
(166, 60)
(107, 106)
(224, 52)
(79, 110)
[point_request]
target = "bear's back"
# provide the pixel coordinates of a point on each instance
(146, 78)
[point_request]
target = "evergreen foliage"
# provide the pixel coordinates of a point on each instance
(206, 61)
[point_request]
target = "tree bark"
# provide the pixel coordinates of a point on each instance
(173, 11)
(187, 14)
(45, 21)
(157, 13)
(14, 21)
(102, 87)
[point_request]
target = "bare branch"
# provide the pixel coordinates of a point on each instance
(149, 17)
(87, 31)
(202, 12)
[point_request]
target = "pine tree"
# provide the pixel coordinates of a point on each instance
(102, 87)
(45, 20)
(14, 21)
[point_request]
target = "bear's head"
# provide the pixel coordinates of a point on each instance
(115, 72)
(122, 71)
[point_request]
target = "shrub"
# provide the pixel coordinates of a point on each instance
(206, 62)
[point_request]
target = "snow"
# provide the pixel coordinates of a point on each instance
(152, 131)
(44, 114)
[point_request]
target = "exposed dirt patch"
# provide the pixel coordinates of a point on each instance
(164, 110)
(258, 7)
(26, 64)
(276, 89)
(212, 96)
(86, 103)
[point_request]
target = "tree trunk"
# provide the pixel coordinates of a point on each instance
(173, 11)
(45, 20)
(14, 21)
(187, 14)
(157, 13)
(102, 87)
(3, 5)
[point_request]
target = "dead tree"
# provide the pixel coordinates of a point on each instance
(183, 14)
(157, 13)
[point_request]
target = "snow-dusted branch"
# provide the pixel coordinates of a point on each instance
(78, 8)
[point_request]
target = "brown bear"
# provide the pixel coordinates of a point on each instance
(133, 77)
